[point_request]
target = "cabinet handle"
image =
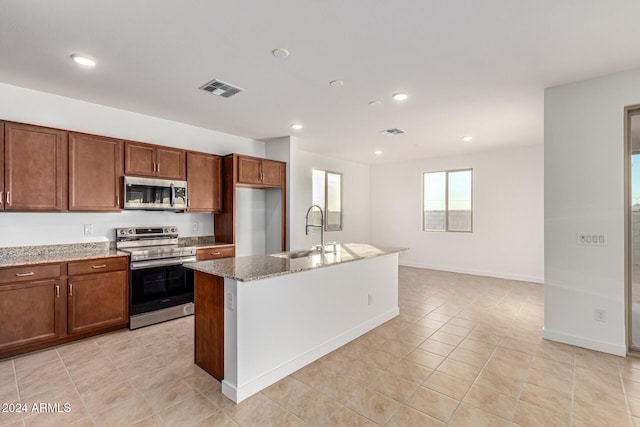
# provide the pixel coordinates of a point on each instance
(158, 168)
(31, 273)
(99, 266)
(117, 201)
(1, 197)
(215, 253)
(9, 198)
(70, 289)
(57, 291)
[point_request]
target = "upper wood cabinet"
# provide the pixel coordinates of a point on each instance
(35, 168)
(95, 171)
(154, 160)
(1, 165)
(260, 172)
(204, 175)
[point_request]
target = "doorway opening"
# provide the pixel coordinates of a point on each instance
(632, 226)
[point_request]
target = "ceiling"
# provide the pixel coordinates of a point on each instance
(469, 67)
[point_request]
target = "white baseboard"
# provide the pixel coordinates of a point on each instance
(240, 393)
(605, 347)
(508, 276)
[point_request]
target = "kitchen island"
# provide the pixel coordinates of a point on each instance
(260, 318)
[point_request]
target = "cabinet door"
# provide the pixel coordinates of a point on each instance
(140, 159)
(96, 301)
(29, 313)
(170, 163)
(249, 170)
(35, 163)
(95, 169)
(272, 173)
(204, 176)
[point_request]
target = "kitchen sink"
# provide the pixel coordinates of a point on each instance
(300, 253)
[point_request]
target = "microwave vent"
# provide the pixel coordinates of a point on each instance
(220, 88)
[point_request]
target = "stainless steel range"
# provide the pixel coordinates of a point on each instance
(160, 288)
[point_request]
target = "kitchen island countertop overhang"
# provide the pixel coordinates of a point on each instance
(257, 267)
(261, 318)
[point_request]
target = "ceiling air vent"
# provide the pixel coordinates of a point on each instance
(221, 88)
(394, 131)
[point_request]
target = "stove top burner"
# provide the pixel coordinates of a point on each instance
(151, 243)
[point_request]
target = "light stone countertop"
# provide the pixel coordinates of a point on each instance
(256, 267)
(44, 254)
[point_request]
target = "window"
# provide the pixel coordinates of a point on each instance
(446, 202)
(327, 193)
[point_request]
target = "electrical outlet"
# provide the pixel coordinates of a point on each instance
(600, 315)
(230, 301)
(196, 226)
(88, 229)
(591, 239)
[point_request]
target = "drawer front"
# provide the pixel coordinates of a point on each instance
(204, 254)
(98, 265)
(29, 273)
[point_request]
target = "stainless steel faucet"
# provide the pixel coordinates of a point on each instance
(316, 225)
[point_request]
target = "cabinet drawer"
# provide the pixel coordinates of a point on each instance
(204, 254)
(99, 265)
(29, 273)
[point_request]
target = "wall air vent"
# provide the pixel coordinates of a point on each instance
(221, 88)
(393, 132)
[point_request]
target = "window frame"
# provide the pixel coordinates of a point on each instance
(326, 198)
(446, 203)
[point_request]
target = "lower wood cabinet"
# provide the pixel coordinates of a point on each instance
(30, 314)
(215, 252)
(40, 306)
(96, 301)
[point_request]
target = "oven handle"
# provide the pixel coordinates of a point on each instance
(160, 263)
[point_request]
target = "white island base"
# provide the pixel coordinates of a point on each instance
(277, 325)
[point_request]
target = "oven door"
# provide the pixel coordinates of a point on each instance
(158, 284)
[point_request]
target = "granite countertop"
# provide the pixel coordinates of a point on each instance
(202, 242)
(255, 267)
(43, 254)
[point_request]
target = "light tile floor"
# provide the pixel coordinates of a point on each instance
(465, 351)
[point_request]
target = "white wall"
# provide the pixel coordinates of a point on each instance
(29, 106)
(355, 199)
(584, 192)
(507, 237)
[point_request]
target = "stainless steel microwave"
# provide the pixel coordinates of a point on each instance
(154, 194)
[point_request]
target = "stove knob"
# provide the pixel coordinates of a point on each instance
(173, 229)
(123, 232)
(131, 231)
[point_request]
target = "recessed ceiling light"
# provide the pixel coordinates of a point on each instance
(399, 96)
(377, 152)
(375, 103)
(296, 126)
(83, 60)
(336, 83)
(280, 53)
(467, 138)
